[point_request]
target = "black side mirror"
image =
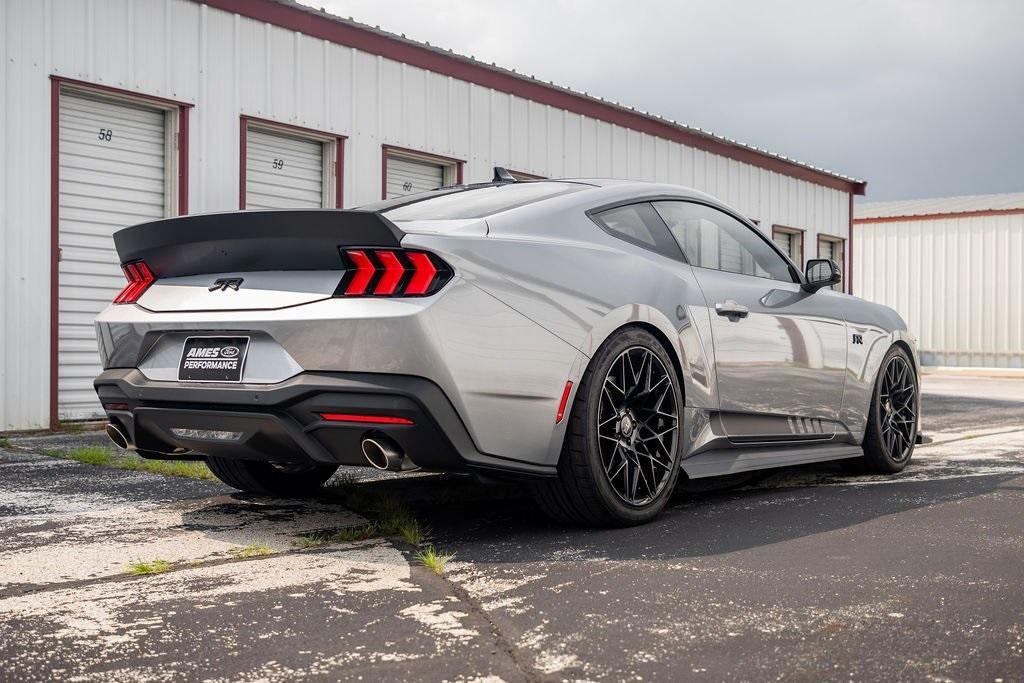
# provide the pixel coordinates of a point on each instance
(821, 272)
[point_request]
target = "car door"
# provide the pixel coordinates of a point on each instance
(779, 352)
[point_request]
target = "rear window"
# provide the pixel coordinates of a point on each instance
(479, 202)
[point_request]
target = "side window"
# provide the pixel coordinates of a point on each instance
(712, 239)
(640, 225)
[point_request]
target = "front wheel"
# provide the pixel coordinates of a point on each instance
(272, 479)
(620, 459)
(892, 419)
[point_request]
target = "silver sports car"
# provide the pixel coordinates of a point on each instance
(596, 338)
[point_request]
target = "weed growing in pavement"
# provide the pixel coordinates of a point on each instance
(251, 550)
(5, 442)
(433, 560)
(151, 567)
(393, 520)
(102, 456)
(349, 534)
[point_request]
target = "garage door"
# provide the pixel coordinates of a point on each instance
(282, 171)
(112, 174)
(407, 176)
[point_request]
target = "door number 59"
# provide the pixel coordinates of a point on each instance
(278, 163)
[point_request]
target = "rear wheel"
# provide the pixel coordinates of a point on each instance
(270, 478)
(892, 420)
(620, 460)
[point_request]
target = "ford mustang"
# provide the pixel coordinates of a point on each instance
(598, 339)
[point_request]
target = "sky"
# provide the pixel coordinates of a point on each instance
(921, 98)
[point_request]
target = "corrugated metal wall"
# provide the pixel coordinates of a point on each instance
(956, 281)
(227, 66)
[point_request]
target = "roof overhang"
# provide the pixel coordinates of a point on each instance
(328, 27)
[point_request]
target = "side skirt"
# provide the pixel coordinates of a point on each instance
(719, 462)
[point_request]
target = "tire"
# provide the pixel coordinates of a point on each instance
(609, 436)
(893, 417)
(267, 479)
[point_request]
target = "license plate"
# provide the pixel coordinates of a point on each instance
(213, 359)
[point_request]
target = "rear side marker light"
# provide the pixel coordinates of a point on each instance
(366, 419)
(561, 404)
(140, 277)
(392, 273)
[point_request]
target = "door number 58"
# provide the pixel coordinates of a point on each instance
(105, 134)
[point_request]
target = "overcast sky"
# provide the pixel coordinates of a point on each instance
(920, 98)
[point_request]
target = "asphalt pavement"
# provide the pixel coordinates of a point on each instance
(812, 573)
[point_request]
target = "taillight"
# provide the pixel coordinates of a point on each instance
(140, 277)
(392, 273)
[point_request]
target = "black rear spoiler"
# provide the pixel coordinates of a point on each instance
(240, 241)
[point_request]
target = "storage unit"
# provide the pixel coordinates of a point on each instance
(113, 173)
(270, 104)
(407, 172)
(791, 241)
(952, 268)
(287, 167)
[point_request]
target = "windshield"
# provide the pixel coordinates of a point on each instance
(479, 202)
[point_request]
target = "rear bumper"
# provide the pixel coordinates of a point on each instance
(281, 422)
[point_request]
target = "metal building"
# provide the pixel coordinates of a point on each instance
(952, 268)
(120, 111)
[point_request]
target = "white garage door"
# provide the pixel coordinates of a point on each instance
(408, 176)
(112, 175)
(282, 171)
(785, 242)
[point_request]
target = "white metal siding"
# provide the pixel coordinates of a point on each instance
(956, 281)
(227, 66)
(105, 185)
(283, 171)
(407, 176)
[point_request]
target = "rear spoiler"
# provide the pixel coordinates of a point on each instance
(240, 241)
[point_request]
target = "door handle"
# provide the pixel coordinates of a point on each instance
(731, 309)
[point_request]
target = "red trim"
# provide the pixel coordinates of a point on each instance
(323, 135)
(183, 141)
(312, 23)
(939, 216)
(54, 246)
(799, 231)
(849, 242)
(243, 128)
(165, 102)
(183, 160)
(368, 419)
(447, 161)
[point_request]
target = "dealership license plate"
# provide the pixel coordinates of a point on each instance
(213, 359)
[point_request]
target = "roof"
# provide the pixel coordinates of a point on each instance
(321, 24)
(978, 204)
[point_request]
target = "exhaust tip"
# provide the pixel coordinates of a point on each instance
(117, 436)
(377, 454)
(385, 454)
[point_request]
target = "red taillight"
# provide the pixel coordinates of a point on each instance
(366, 419)
(140, 277)
(361, 274)
(392, 273)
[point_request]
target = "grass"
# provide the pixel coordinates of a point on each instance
(433, 560)
(251, 550)
(101, 456)
(152, 567)
(392, 520)
(5, 442)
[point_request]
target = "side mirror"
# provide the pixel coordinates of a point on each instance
(821, 272)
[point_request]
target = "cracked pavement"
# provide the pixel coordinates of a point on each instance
(804, 574)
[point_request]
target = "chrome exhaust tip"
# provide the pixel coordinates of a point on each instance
(115, 434)
(384, 454)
